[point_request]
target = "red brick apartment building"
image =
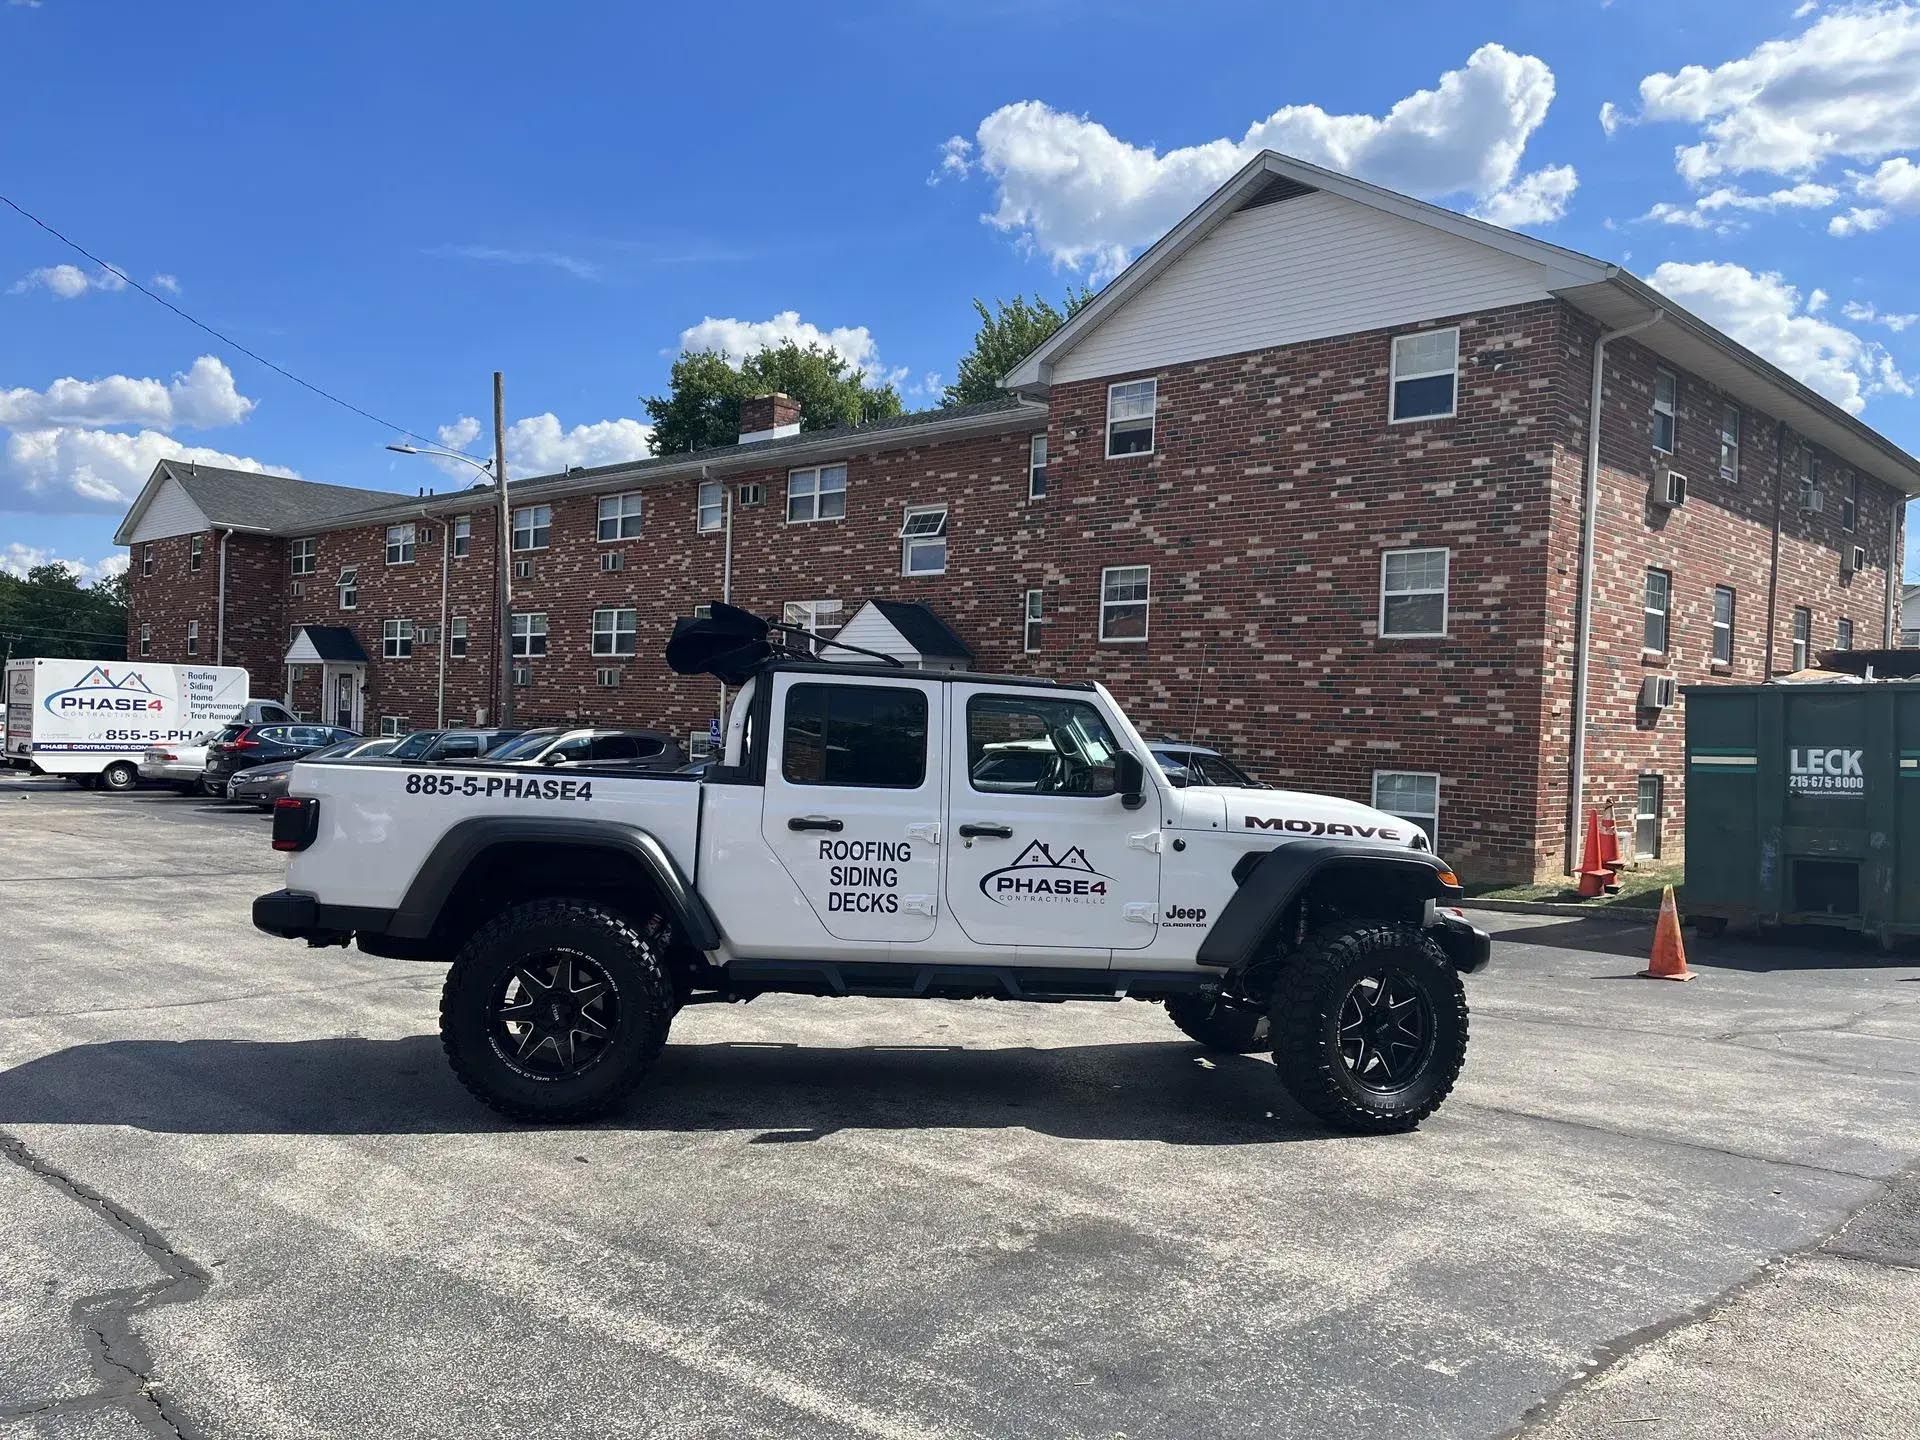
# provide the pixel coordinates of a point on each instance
(1308, 481)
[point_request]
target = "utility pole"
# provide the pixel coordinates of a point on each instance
(506, 551)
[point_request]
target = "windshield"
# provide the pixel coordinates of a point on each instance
(413, 745)
(521, 747)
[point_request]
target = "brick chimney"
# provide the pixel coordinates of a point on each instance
(769, 417)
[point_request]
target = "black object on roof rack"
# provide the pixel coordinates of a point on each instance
(730, 644)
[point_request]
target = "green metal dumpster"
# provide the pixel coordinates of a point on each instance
(1803, 805)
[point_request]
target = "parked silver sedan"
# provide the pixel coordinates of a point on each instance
(178, 765)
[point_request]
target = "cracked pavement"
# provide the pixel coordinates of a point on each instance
(241, 1196)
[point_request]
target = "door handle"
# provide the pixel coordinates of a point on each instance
(986, 831)
(814, 822)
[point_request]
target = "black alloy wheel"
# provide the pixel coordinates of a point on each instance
(1386, 1031)
(555, 1016)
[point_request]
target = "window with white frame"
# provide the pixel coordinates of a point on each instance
(1124, 598)
(305, 555)
(1809, 478)
(1666, 391)
(1656, 607)
(711, 512)
(1723, 624)
(1849, 500)
(196, 551)
(923, 540)
(1037, 468)
(1649, 801)
(1035, 617)
(529, 636)
(193, 637)
(146, 639)
(1802, 636)
(532, 526)
(347, 587)
(523, 675)
(620, 516)
(816, 494)
(396, 639)
(1413, 593)
(816, 617)
(462, 536)
(607, 678)
(1843, 634)
(400, 544)
(457, 637)
(1413, 795)
(146, 559)
(1425, 375)
(1730, 443)
(750, 496)
(613, 632)
(1131, 408)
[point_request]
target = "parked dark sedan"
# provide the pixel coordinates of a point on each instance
(564, 745)
(242, 747)
(265, 784)
(448, 744)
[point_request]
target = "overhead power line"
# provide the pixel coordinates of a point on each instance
(224, 339)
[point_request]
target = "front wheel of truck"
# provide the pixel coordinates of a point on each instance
(555, 1010)
(1369, 1026)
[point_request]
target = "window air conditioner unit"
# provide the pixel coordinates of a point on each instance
(1656, 692)
(299, 588)
(613, 560)
(424, 535)
(1814, 503)
(1669, 489)
(427, 635)
(523, 569)
(1854, 559)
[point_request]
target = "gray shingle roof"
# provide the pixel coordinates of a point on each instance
(253, 501)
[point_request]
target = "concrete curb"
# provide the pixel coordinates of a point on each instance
(1632, 914)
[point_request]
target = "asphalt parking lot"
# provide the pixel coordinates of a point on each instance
(245, 1198)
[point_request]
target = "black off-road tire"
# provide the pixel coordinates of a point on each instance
(119, 777)
(1309, 995)
(519, 936)
(1230, 1029)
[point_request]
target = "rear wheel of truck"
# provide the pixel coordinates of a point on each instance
(1219, 1025)
(555, 1010)
(1369, 1026)
(119, 777)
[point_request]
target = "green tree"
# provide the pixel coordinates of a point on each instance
(50, 613)
(702, 405)
(1008, 333)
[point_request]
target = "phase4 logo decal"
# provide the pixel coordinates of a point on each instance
(98, 690)
(1040, 876)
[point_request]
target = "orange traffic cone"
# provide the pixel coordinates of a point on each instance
(1669, 955)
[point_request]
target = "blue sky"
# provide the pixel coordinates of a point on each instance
(392, 202)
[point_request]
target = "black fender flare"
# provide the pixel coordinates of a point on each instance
(1278, 877)
(466, 842)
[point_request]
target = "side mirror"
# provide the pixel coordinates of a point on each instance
(553, 757)
(1129, 779)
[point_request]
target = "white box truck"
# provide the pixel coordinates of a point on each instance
(92, 720)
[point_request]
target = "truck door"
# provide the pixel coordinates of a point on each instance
(852, 801)
(1042, 854)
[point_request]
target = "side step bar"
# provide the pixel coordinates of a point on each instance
(745, 979)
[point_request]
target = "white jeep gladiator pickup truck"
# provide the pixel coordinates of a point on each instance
(843, 847)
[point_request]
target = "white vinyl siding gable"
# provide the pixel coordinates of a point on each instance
(1303, 269)
(172, 512)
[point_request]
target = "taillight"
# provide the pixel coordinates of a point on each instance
(245, 741)
(296, 822)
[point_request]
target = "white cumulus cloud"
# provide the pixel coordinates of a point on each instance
(1766, 314)
(70, 467)
(540, 445)
(1857, 221)
(1717, 209)
(1086, 199)
(737, 339)
(1847, 86)
(202, 398)
(17, 559)
(168, 283)
(66, 282)
(1867, 313)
